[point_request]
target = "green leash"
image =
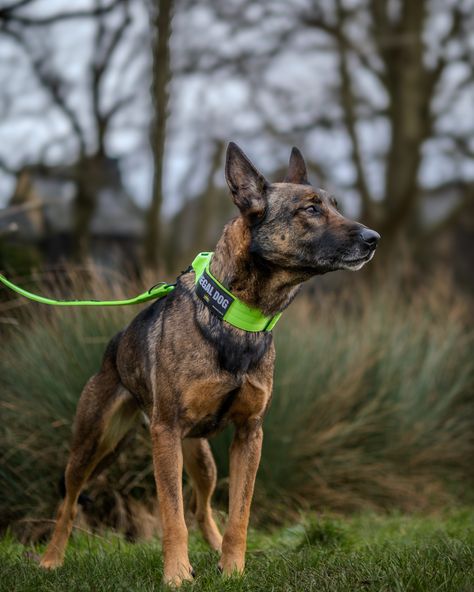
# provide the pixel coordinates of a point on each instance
(157, 291)
(213, 294)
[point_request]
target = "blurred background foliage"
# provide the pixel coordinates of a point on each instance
(114, 119)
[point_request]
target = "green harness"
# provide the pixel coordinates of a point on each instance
(213, 294)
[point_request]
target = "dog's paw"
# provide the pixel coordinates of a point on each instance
(231, 566)
(50, 562)
(174, 578)
(213, 537)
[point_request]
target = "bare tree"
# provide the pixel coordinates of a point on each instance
(390, 73)
(393, 50)
(369, 89)
(162, 10)
(90, 134)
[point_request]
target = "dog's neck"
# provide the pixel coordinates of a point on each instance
(250, 279)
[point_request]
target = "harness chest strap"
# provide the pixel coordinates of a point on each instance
(219, 300)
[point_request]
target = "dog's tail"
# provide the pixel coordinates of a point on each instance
(83, 500)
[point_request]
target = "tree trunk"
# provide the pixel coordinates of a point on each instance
(409, 115)
(160, 96)
(206, 215)
(84, 208)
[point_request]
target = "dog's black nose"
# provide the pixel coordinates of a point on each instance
(370, 237)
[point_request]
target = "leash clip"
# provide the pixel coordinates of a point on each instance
(159, 285)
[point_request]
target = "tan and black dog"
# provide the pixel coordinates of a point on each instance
(192, 373)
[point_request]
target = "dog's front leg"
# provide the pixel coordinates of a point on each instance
(244, 460)
(168, 465)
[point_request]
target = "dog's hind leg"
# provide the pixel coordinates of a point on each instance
(200, 466)
(105, 413)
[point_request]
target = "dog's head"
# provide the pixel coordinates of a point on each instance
(293, 225)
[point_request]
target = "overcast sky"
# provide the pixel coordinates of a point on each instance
(292, 88)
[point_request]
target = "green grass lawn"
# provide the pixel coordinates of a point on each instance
(367, 552)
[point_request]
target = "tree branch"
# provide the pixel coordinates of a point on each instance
(336, 32)
(350, 117)
(54, 18)
(116, 107)
(6, 10)
(52, 84)
(99, 68)
(434, 76)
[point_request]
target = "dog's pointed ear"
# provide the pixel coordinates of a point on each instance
(247, 185)
(297, 172)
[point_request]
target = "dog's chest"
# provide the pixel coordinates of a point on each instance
(236, 352)
(208, 406)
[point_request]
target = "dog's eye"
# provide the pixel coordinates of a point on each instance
(313, 210)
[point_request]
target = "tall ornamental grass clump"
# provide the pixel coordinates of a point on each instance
(373, 405)
(46, 357)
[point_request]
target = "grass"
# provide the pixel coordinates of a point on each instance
(373, 406)
(366, 553)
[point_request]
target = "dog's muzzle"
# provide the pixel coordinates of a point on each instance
(364, 249)
(369, 237)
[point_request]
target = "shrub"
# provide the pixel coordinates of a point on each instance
(373, 401)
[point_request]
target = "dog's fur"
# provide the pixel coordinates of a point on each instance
(192, 373)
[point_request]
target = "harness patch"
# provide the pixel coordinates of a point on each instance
(212, 295)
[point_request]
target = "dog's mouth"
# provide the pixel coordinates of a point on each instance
(356, 263)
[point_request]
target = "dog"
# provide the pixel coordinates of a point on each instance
(192, 373)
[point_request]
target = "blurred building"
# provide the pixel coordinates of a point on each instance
(41, 213)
